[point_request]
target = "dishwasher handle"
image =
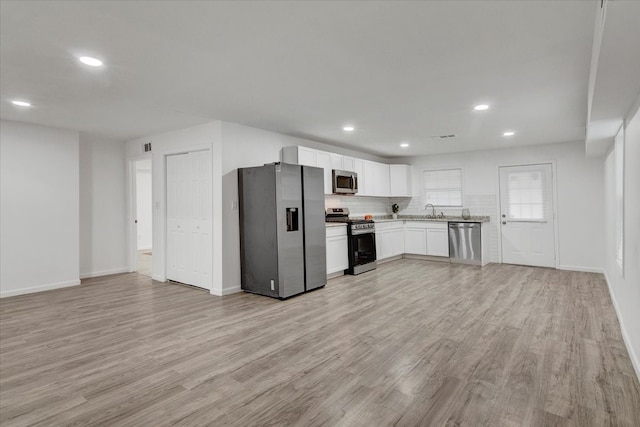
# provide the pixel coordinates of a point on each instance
(464, 225)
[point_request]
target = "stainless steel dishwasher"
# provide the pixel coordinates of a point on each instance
(464, 243)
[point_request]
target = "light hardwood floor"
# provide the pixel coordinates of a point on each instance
(414, 343)
(145, 258)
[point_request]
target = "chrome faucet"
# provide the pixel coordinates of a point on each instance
(433, 210)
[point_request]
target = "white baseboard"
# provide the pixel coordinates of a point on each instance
(41, 288)
(427, 257)
(335, 274)
(625, 336)
(583, 269)
(393, 258)
(225, 291)
(158, 278)
(104, 272)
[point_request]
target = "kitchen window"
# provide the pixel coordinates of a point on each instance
(442, 187)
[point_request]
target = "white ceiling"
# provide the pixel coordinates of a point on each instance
(398, 71)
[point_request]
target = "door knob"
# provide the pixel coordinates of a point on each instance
(504, 222)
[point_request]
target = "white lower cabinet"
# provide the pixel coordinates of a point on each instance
(337, 250)
(415, 240)
(438, 241)
(426, 238)
(389, 239)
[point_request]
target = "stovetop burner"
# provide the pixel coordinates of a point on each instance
(355, 226)
(342, 215)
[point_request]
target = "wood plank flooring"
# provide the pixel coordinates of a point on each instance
(413, 343)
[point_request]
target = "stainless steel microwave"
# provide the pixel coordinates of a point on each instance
(345, 182)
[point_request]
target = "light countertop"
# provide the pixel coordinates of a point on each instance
(387, 218)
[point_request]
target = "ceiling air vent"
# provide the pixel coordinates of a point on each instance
(146, 147)
(442, 136)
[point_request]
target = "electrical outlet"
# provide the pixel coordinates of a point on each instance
(273, 286)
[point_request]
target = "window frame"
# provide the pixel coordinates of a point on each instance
(424, 189)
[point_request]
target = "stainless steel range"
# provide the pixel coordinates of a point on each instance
(361, 240)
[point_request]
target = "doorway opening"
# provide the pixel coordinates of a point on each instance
(143, 222)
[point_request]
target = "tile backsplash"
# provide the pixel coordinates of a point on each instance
(360, 205)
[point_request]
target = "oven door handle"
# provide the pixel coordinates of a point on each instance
(364, 231)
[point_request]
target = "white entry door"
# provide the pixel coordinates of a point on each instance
(189, 212)
(526, 215)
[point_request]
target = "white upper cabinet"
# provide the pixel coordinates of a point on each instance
(323, 160)
(358, 168)
(348, 164)
(400, 180)
(307, 156)
(367, 184)
(383, 188)
(374, 179)
(336, 161)
(299, 155)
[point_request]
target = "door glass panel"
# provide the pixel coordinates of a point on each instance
(526, 195)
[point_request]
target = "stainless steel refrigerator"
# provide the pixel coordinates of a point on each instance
(282, 229)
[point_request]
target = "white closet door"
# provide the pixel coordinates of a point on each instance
(189, 218)
(201, 219)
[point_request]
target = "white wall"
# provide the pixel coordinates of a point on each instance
(103, 238)
(579, 194)
(625, 290)
(39, 214)
(363, 205)
(200, 137)
(144, 208)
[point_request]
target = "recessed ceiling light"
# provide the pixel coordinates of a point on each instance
(348, 128)
(21, 103)
(509, 133)
(93, 62)
(404, 145)
(481, 107)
